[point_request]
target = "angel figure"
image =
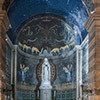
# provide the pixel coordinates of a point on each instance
(23, 71)
(67, 71)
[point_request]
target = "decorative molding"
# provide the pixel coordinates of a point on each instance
(89, 5)
(64, 87)
(85, 41)
(23, 87)
(9, 42)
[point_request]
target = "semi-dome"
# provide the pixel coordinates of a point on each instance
(46, 34)
(72, 10)
(72, 13)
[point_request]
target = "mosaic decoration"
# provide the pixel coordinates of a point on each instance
(26, 95)
(29, 70)
(51, 35)
(26, 70)
(73, 10)
(8, 64)
(63, 75)
(46, 35)
(68, 73)
(66, 95)
(66, 70)
(23, 71)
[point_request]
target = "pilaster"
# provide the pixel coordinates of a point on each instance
(1, 4)
(79, 72)
(4, 26)
(93, 27)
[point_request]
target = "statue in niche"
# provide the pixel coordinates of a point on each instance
(24, 70)
(68, 73)
(46, 70)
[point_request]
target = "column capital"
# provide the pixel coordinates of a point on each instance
(93, 27)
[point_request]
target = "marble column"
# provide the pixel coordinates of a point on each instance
(78, 71)
(93, 27)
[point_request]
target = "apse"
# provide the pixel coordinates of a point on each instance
(46, 29)
(50, 36)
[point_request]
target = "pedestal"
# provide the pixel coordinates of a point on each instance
(93, 27)
(4, 26)
(45, 94)
(45, 87)
(46, 91)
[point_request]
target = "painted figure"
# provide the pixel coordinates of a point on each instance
(67, 71)
(23, 71)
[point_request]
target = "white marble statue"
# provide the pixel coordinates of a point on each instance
(45, 87)
(46, 70)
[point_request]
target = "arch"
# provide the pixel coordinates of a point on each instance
(89, 5)
(6, 4)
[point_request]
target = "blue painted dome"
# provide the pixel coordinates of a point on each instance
(73, 11)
